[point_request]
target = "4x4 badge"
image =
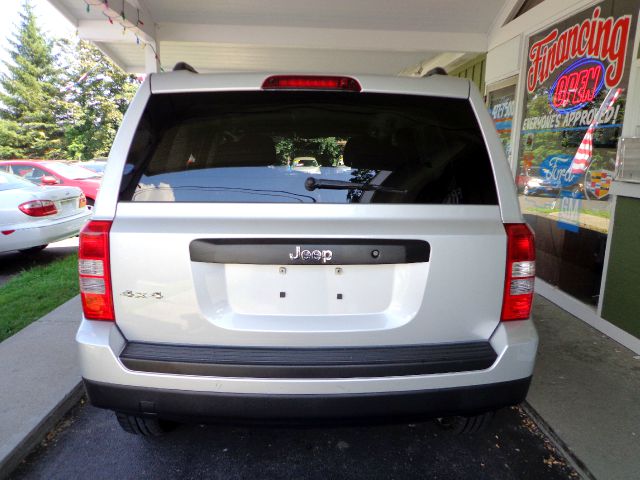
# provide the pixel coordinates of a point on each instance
(130, 294)
(311, 255)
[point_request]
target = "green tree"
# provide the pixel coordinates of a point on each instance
(327, 150)
(99, 93)
(32, 109)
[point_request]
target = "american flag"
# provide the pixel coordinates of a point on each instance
(582, 158)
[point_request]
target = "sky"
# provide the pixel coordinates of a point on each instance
(49, 21)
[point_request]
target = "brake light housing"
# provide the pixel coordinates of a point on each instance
(94, 270)
(38, 208)
(311, 82)
(520, 272)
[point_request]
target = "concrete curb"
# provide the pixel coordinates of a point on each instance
(33, 438)
(558, 443)
(40, 382)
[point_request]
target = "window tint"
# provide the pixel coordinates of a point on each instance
(301, 147)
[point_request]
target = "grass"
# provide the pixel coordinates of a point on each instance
(35, 292)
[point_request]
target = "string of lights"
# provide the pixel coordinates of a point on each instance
(115, 15)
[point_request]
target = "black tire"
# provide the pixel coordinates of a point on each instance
(466, 425)
(90, 202)
(32, 250)
(145, 426)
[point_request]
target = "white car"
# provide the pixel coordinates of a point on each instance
(31, 216)
(218, 283)
(306, 164)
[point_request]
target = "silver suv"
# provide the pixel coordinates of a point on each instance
(218, 281)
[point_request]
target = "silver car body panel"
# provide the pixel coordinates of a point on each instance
(240, 304)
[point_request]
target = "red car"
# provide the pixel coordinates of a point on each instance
(51, 172)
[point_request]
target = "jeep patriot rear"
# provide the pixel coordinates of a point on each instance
(219, 282)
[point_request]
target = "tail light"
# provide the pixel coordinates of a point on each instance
(521, 271)
(38, 208)
(82, 201)
(95, 271)
(311, 82)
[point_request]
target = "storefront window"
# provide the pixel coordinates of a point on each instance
(576, 85)
(501, 108)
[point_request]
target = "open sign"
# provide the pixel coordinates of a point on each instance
(577, 85)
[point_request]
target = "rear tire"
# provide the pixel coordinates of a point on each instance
(466, 425)
(145, 426)
(32, 250)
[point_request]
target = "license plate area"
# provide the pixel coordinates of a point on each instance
(65, 207)
(309, 289)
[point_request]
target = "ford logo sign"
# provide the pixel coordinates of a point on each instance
(555, 171)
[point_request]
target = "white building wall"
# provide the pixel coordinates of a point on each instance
(504, 60)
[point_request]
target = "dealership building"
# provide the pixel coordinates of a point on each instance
(562, 83)
(561, 79)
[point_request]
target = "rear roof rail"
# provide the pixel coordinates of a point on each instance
(184, 66)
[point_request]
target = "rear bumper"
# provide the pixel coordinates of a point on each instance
(307, 363)
(111, 384)
(195, 405)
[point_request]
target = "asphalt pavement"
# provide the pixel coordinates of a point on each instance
(89, 444)
(12, 263)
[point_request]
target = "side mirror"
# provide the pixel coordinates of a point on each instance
(49, 180)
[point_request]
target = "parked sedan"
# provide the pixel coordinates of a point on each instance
(31, 217)
(51, 172)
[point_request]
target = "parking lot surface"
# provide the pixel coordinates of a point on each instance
(90, 444)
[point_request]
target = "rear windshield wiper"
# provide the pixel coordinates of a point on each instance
(312, 184)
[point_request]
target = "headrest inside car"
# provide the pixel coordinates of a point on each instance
(372, 153)
(248, 151)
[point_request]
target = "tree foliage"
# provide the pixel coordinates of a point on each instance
(61, 99)
(98, 93)
(32, 109)
(326, 150)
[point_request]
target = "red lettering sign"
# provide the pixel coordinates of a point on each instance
(577, 85)
(597, 37)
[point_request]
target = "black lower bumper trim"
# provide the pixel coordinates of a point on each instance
(207, 406)
(323, 362)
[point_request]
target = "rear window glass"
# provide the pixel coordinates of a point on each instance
(12, 182)
(308, 147)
